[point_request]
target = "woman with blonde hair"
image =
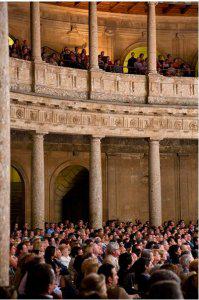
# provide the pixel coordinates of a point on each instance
(89, 266)
(93, 287)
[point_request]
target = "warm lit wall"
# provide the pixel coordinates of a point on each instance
(125, 179)
(118, 33)
(179, 186)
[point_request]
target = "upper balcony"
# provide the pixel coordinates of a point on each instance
(100, 86)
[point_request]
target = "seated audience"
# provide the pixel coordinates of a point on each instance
(136, 259)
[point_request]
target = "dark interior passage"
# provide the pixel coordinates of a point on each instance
(75, 204)
(17, 209)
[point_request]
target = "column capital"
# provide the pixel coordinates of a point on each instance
(152, 3)
(154, 139)
(39, 132)
(98, 137)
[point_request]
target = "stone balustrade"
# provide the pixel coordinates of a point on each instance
(21, 75)
(62, 82)
(76, 84)
(173, 90)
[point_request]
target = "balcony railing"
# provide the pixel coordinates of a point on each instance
(76, 84)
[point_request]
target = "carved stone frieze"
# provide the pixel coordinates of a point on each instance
(94, 121)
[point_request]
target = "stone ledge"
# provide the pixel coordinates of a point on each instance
(162, 123)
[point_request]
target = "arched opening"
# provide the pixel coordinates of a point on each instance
(137, 51)
(72, 194)
(17, 195)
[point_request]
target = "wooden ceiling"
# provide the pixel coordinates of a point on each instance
(140, 8)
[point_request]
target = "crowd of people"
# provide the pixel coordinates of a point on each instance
(79, 59)
(168, 66)
(121, 260)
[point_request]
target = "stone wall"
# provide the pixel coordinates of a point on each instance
(125, 174)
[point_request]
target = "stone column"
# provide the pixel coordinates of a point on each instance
(4, 148)
(151, 38)
(35, 31)
(155, 205)
(38, 195)
(93, 36)
(95, 183)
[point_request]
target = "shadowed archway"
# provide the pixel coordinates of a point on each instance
(17, 194)
(72, 191)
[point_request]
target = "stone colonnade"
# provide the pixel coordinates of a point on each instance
(95, 182)
(95, 154)
(95, 193)
(38, 138)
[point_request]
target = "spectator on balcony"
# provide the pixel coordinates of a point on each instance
(186, 69)
(108, 65)
(84, 59)
(160, 62)
(26, 54)
(65, 56)
(72, 60)
(165, 66)
(144, 66)
(53, 60)
(176, 64)
(76, 52)
(138, 66)
(79, 62)
(141, 56)
(117, 68)
(103, 57)
(170, 58)
(100, 62)
(17, 46)
(131, 62)
(14, 52)
(44, 54)
(171, 71)
(25, 45)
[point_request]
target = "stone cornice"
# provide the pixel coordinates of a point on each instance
(75, 117)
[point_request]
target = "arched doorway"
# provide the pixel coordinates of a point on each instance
(72, 194)
(17, 195)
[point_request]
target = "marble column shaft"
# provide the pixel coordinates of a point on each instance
(151, 38)
(4, 148)
(93, 36)
(155, 204)
(95, 184)
(38, 194)
(35, 31)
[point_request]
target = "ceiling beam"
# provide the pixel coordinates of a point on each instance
(168, 8)
(76, 3)
(184, 9)
(131, 7)
(114, 6)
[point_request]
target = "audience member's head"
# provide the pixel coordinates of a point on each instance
(190, 287)
(110, 274)
(93, 286)
(165, 289)
(40, 281)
